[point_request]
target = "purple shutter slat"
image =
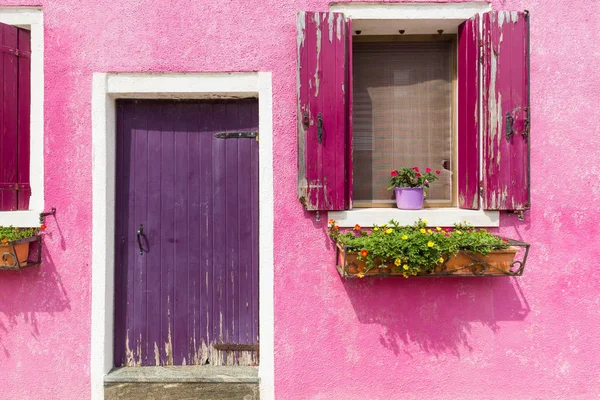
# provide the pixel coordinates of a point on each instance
(322, 90)
(468, 114)
(23, 125)
(8, 117)
(505, 98)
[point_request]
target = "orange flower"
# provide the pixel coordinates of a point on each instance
(331, 221)
(335, 227)
(364, 253)
(357, 227)
(43, 227)
(5, 240)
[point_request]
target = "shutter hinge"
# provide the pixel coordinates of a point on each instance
(481, 188)
(16, 186)
(15, 52)
(526, 130)
(236, 135)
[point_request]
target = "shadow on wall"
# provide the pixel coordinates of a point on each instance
(25, 293)
(437, 314)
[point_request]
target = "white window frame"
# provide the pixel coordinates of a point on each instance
(431, 16)
(31, 18)
(106, 89)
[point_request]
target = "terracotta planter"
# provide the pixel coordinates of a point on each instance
(7, 259)
(496, 263)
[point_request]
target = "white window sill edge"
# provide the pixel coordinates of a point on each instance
(443, 217)
(20, 219)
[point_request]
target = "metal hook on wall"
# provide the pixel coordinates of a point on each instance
(45, 214)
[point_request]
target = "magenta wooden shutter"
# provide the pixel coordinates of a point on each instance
(8, 116)
(23, 125)
(468, 114)
(324, 153)
(505, 38)
(14, 118)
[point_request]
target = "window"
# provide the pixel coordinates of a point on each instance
(28, 23)
(344, 160)
(15, 67)
(403, 96)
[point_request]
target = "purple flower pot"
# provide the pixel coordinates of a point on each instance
(409, 198)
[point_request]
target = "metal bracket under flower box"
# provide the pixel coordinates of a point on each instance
(502, 262)
(12, 258)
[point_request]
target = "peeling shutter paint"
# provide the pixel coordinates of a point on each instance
(323, 111)
(505, 111)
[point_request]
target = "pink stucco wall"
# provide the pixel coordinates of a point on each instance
(530, 337)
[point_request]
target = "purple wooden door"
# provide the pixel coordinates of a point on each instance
(190, 295)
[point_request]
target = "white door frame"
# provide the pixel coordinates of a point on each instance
(106, 88)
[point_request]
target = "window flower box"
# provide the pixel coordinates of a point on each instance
(393, 250)
(16, 250)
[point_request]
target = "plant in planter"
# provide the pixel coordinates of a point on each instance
(410, 186)
(14, 246)
(391, 249)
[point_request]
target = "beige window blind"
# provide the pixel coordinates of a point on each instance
(402, 115)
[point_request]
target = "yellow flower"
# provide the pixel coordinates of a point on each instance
(405, 267)
(398, 262)
(429, 231)
(383, 225)
(423, 230)
(404, 237)
(405, 274)
(441, 259)
(437, 228)
(459, 232)
(389, 230)
(430, 244)
(425, 221)
(376, 229)
(361, 274)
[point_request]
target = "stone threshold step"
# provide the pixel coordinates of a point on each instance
(184, 374)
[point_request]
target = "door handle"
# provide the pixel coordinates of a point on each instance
(140, 232)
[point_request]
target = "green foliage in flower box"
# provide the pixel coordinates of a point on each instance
(414, 249)
(9, 234)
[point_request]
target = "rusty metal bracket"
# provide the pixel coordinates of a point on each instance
(320, 128)
(236, 135)
(45, 214)
(510, 120)
(235, 347)
(526, 128)
(305, 121)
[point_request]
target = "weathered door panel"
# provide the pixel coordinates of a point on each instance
(194, 199)
(506, 110)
